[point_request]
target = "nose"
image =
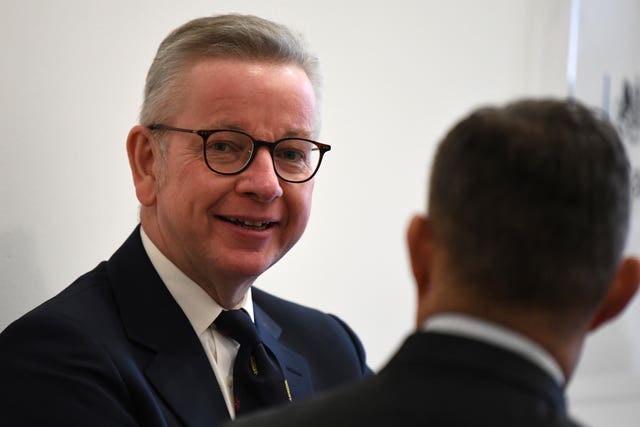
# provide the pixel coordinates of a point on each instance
(259, 180)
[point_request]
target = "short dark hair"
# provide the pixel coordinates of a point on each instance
(532, 201)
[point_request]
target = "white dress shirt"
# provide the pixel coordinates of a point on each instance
(201, 310)
(498, 335)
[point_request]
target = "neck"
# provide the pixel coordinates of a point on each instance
(561, 341)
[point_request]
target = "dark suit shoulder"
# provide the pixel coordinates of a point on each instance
(89, 286)
(112, 349)
(88, 303)
(52, 356)
(383, 400)
(311, 320)
(327, 342)
(433, 381)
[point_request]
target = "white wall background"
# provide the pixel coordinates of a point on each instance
(606, 390)
(395, 73)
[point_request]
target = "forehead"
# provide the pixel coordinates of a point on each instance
(247, 94)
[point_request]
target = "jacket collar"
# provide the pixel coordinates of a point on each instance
(154, 320)
(293, 365)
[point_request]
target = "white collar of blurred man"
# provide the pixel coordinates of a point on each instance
(496, 334)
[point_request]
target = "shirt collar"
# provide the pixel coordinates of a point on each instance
(493, 333)
(197, 305)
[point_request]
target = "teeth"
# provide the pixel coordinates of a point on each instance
(253, 223)
(256, 225)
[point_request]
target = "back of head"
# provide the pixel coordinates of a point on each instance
(233, 36)
(531, 204)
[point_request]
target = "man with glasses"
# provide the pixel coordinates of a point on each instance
(519, 257)
(169, 331)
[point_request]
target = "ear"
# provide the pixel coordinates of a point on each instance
(419, 243)
(624, 286)
(144, 158)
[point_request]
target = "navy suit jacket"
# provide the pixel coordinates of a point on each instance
(435, 380)
(115, 349)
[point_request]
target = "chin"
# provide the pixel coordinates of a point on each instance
(249, 271)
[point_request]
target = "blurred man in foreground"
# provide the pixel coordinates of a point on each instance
(518, 259)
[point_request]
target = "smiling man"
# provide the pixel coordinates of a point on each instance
(169, 331)
(224, 231)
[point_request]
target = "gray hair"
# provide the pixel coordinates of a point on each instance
(232, 36)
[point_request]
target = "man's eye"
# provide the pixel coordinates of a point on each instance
(291, 155)
(220, 146)
(227, 147)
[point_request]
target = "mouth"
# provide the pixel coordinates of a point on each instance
(251, 225)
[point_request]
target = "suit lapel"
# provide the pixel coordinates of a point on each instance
(178, 368)
(294, 366)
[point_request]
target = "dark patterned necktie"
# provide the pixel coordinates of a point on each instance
(258, 381)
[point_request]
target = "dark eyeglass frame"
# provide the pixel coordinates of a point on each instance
(271, 145)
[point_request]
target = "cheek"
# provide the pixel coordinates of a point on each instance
(188, 175)
(185, 193)
(300, 208)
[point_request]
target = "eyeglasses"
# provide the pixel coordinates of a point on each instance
(229, 152)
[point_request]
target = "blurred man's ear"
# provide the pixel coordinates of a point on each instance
(420, 255)
(624, 286)
(144, 159)
(418, 242)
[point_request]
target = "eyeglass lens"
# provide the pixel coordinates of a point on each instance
(293, 159)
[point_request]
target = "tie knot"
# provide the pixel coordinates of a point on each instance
(238, 325)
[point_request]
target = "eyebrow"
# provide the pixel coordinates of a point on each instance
(293, 133)
(298, 133)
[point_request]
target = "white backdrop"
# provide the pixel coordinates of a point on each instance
(606, 390)
(395, 73)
